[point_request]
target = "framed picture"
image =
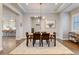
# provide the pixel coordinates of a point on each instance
(50, 24)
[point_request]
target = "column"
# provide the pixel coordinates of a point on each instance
(19, 27)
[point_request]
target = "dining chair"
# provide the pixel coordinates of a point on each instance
(54, 35)
(27, 38)
(45, 36)
(36, 36)
(30, 36)
(51, 36)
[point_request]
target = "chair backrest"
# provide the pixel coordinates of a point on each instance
(36, 36)
(37, 32)
(54, 34)
(26, 34)
(45, 36)
(43, 32)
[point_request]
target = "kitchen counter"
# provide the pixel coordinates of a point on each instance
(9, 32)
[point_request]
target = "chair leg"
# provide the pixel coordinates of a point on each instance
(54, 42)
(27, 42)
(30, 40)
(51, 40)
(42, 42)
(33, 42)
(48, 42)
(39, 43)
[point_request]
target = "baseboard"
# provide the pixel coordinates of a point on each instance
(19, 38)
(60, 37)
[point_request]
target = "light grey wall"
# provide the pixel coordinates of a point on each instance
(19, 27)
(63, 26)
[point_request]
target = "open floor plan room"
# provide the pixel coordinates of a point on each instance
(39, 28)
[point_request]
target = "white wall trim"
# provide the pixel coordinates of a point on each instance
(19, 38)
(12, 8)
(60, 37)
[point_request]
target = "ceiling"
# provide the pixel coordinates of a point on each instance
(45, 7)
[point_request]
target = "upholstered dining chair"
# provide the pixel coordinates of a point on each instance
(30, 36)
(45, 36)
(36, 36)
(51, 36)
(54, 35)
(27, 38)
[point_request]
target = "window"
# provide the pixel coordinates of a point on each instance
(75, 23)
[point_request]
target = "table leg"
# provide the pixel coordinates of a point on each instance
(27, 42)
(54, 41)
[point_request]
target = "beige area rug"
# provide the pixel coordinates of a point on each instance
(23, 49)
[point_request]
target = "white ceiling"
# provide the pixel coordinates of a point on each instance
(73, 6)
(36, 7)
(45, 7)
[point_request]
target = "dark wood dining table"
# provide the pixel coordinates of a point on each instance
(30, 36)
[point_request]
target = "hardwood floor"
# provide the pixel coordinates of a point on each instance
(74, 47)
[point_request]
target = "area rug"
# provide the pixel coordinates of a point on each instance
(24, 50)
